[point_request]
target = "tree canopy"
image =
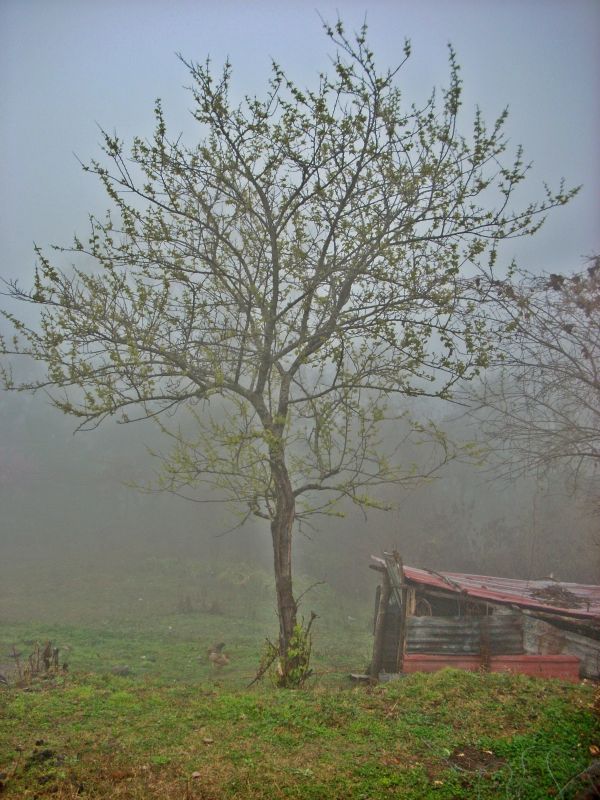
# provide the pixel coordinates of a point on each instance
(318, 252)
(540, 406)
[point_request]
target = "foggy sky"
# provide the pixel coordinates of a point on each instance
(67, 65)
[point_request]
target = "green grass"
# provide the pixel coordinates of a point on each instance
(159, 617)
(107, 736)
(173, 648)
(174, 728)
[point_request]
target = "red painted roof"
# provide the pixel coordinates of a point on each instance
(555, 597)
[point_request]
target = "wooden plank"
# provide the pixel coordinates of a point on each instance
(384, 599)
(397, 579)
(393, 563)
(402, 634)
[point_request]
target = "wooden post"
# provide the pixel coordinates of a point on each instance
(403, 615)
(384, 599)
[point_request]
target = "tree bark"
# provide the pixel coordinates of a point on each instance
(281, 533)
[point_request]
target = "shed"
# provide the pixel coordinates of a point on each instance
(426, 620)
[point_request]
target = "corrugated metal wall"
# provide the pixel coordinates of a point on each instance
(497, 634)
(500, 634)
(544, 638)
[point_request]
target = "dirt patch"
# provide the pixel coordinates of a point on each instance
(470, 759)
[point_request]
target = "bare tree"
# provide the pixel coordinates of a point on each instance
(540, 407)
(318, 252)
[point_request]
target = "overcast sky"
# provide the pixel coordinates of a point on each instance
(66, 65)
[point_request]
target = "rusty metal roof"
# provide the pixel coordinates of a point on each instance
(576, 600)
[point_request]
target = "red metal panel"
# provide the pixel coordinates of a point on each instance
(556, 666)
(559, 666)
(418, 662)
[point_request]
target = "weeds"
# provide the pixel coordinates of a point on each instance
(296, 670)
(42, 663)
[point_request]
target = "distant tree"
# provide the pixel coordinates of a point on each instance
(540, 407)
(318, 252)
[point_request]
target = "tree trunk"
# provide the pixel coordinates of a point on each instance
(281, 533)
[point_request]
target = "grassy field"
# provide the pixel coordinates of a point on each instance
(174, 728)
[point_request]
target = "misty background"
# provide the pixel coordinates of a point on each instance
(70, 523)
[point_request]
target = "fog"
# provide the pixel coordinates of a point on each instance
(70, 520)
(72, 525)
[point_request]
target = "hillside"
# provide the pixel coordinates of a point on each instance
(173, 727)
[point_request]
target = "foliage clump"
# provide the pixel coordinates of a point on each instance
(295, 671)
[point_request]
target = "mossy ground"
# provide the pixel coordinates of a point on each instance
(174, 728)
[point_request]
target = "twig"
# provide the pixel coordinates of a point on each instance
(313, 617)
(306, 591)
(264, 667)
(17, 662)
